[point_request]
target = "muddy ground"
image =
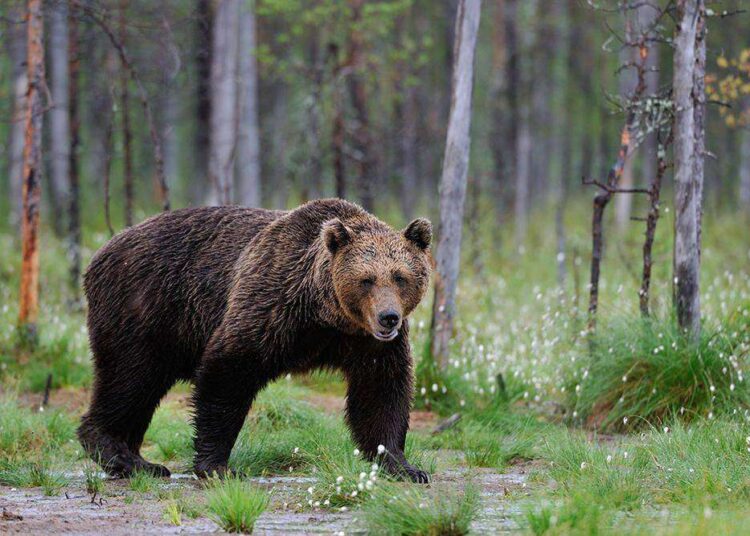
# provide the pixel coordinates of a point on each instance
(121, 511)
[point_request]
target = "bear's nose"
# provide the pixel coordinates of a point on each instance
(389, 319)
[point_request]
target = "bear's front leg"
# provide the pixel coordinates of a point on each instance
(378, 401)
(225, 387)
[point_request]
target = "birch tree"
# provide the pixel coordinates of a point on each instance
(60, 114)
(453, 180)
(32, 173)
(224, 99)
(17, 46)
(248, 135)
(687, 160)
(73, 239)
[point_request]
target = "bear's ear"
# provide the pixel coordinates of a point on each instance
(335, 235)
(419, 232)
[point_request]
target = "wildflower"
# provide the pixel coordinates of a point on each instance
(356, 452)
(609, 458)
(381, 449)
(339, 479)
(583, 465)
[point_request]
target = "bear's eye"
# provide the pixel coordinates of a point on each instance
(368, 282)
(399, 279)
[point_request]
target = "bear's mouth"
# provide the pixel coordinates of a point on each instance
(385, 335)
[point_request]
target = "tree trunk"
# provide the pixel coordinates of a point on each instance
(453, 180)
(248, 136)
(32, 171)
(127, 135)
(406, 116)
(628, 79)
(745, 170)
(498, 139)
(337, 134)
(224, 99)
(699, 119)
(17, 45)
(278, 125)
(513, 92)
(313, 188)
(73, 197)
(687, 202)
(59, 115)
(648, 150)
(358, 95)
(203, 40)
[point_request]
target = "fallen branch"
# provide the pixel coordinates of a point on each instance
(447, 424)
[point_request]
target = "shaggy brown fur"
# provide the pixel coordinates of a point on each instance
(233, 298)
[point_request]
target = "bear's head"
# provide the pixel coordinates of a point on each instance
(379, 275)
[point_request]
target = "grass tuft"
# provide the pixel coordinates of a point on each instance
(235, 504)
(647, 372)
(399, 509)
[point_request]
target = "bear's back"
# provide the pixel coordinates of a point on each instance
(166, 280)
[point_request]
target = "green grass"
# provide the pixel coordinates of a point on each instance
(142, 482)
(93, 479)
(680, 469)
(647, 372)
(398, 509)
(32, 475)
(235, 504)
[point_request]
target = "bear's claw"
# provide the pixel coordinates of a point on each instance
(417, 475)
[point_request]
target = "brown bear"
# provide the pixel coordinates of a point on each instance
(232, 298)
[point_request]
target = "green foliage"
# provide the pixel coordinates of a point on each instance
(399, 509)
(25, 474)
(171, 435)
(701, 467)
(143, 482)
(93, 479)
(645, 372)
(235, 504)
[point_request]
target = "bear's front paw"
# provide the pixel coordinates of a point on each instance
(417, 475)
(406, 470)
(213, 471)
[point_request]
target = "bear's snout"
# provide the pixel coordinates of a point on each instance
(389, 318)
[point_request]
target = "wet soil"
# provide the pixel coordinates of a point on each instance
(121, 511)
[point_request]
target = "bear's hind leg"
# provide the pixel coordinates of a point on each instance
(122, 405)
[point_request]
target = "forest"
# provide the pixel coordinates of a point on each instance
(579, 354)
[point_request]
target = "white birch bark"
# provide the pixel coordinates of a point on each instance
(17, 47)
(224, 120)
(60, 114)
(453, 180)
(686, 249)
(248, 136)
